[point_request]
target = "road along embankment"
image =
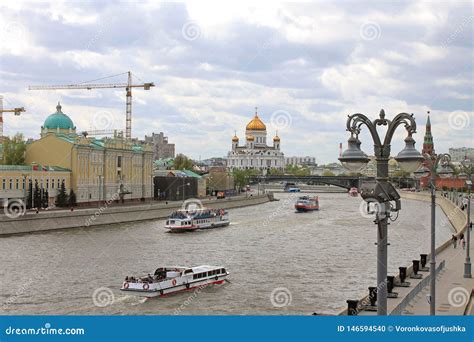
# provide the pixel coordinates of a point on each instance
(109, 214)
(457, 218)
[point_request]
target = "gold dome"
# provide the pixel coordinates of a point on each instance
(235, 138)
(256, 124)
(250, 138)
(276, 138)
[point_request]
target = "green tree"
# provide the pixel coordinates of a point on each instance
(37, 196)
(275, 171)
(72, 198)
(29, 199)
(62, 198)
(327, 173)
(241, 177)
(181, 162)
(14, 150)
(45, 199)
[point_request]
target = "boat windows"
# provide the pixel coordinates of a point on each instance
(223, 270)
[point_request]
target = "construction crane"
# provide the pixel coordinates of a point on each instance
(86, 85)
(16, 111)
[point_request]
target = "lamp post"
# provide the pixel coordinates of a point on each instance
(432, 168)
(183, 186)
(467, 174)
(355, 160)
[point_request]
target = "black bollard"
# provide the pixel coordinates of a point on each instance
(372, 295)
(352, 307)
(416, 266)
(423, 258)
(390, 283)
(402, 274)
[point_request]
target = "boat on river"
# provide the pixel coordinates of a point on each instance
(307, 203)
(188, 220)
(168, 280)
(353, 192)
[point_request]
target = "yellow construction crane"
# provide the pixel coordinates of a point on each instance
(16, 111)
(86, 85)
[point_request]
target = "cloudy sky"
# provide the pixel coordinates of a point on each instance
(306, 66)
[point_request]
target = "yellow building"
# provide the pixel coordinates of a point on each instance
(15, 180)
(100, 169)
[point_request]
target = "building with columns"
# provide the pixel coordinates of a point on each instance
(254, 153)
(111, 168)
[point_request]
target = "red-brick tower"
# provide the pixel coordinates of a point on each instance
(428, 148)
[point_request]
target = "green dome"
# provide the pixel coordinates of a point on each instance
(58, 120)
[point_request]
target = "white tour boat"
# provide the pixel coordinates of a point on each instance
(167, 280)
(188, 220)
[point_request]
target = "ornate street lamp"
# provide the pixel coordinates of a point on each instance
(436, 165)
(466, 168)
(382, 191)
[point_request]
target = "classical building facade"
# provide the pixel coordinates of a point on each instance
(255, 153)
(100, 169)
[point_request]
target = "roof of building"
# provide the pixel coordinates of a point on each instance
(256, 124)
(35, 167)
(191, 173)
(58, 120)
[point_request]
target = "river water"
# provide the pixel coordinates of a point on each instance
(281, 262)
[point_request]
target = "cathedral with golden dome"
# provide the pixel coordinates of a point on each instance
(255, 153)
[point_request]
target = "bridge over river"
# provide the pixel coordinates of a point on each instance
(346, 182)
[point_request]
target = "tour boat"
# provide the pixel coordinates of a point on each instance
(291, 187)
(189, 220)
(353, 192)
(168, 280)
(306, 203)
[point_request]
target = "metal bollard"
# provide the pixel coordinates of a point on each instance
(402, 274)
(416, 266)
(372, 295)
(390, 283)
(423, 258)
(352, 307)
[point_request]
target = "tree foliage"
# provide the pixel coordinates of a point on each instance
(241, 177)
(62, 197)
(14, 150)
(182, 162)
(72, 198)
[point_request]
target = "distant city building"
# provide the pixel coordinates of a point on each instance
(461, 153)
(333, 168)
(162, 149)
(255, 153)
(215, 161)
(300, 161)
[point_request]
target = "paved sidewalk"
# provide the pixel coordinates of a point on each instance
(452, 289)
